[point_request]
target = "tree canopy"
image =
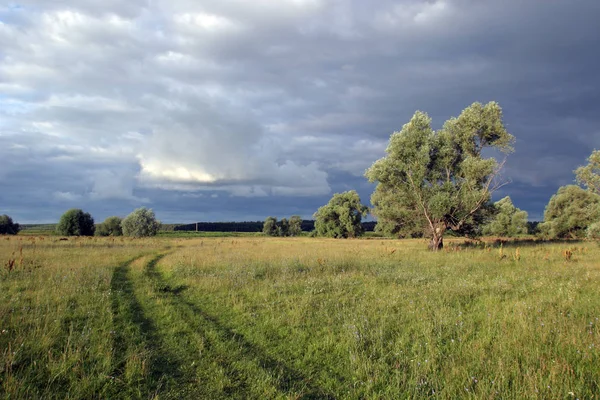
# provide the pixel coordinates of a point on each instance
(7, 226)
(508, 220)
(341, 217)
(589, 175)
(394, 217)
(140, 223)
(439, 179)
(75, 222)
(570, 212)
(110, 227)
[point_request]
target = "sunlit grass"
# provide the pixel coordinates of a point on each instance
(297, 318)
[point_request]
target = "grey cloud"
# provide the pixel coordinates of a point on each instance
(127, 102)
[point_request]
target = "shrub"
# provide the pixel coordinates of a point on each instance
(75, 222)
(7, 226)
(140, 223)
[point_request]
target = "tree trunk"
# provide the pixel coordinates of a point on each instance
(437, 241)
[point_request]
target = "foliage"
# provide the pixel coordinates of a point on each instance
(569, 213)
(75, 222)
(270, 227)
(439, 179)
(341, 217)
(140, 223)
(589, 175)
(284, 227)
(508, 220)
(593, 231)
(394, 217)
(7, 226)
(533, 227)
(110, 227)
(295, 226)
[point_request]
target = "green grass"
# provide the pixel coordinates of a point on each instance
(297, 318)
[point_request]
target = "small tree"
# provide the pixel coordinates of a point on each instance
(284, 227)
(140, 223)
(270, 227)
(7, 226)
(295, 225)
(110, 227)
(589, 175)
(507, 221)
(341, 217)
(440, 177)
(570, 212)
(75, 222)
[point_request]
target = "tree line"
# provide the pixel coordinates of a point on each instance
(429, 183)
(141, 222)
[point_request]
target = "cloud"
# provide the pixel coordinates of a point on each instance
(115, 104)
(67, 197)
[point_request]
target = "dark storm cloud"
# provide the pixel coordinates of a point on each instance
(223, 110)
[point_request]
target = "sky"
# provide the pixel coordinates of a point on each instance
(231, 110)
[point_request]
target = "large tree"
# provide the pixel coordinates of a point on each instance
(341, 217)
(589, 175)
(7, 226)
(570, 212)
(75, 222)
(508, 220)
(440, 178)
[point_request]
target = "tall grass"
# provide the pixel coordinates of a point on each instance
(298, 318)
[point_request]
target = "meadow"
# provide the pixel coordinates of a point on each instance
(290, 318)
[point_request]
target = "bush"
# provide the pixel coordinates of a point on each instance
(7, 226)
(110, 227)
(75, 222)
(140, 223)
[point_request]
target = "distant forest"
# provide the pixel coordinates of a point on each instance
(248, 226)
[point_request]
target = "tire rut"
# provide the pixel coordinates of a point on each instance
(134, 329)
(286, 379)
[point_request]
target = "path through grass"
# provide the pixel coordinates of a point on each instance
(297, 318)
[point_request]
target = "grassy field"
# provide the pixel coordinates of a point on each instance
(254, 317)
